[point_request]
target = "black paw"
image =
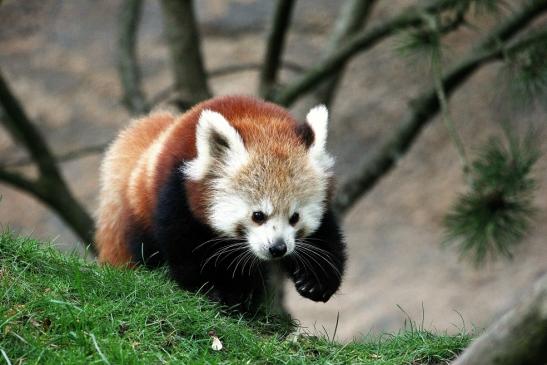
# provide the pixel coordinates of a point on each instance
(314, 288)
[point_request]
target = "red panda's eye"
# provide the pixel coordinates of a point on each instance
(294, 219)
(259, 217)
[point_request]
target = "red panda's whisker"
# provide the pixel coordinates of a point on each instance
(313, 247)
(243, 260)
(305, 242)
(310, 257)
(305, 263)
(314, 250)
(252, 264)
(249, 260)
(313, 239)
(234, 247)
(307, 253)
(236, 261)
(311, 251)
(215, 241)
(226, 252)
(230, 248)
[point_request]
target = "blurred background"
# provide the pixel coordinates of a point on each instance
(60, 59)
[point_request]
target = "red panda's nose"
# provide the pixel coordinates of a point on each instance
(278, 249)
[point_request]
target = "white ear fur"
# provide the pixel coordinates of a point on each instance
(209, 123)
(317, 119)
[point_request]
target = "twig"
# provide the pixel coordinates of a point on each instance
(426, 106)
(18, 124)
(361, 41)
(128, 66)
(19, 181)
(519, 337)
(242, 67)
(185, 50)
(437, 74)
(63, 157)
(49, 187)
(353, 16)
(274, 48)
(225, 71)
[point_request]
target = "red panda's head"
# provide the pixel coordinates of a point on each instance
(265, 183)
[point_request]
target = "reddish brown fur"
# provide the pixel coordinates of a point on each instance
(114, 212)
(129, 190)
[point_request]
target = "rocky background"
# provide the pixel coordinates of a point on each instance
(59, 57)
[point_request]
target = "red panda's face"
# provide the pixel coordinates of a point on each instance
(269, 193)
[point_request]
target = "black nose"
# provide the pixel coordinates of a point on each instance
(278, 249)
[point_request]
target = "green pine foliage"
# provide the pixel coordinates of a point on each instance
(477, 6)
(526, 70)
(443, 18)
(496, 212)
(59, 309)
(419, 44)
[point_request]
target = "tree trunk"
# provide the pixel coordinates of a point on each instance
(519, 337)
(185, 49)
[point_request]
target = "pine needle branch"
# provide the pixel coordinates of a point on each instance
(361, 41)
(495, 213)
(526, 69)
(445, 111)
(491, 48)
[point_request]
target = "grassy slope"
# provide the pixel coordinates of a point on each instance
(56, 308)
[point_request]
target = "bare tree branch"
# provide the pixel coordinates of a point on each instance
(426, 106)
(50, 187)
(361, 41)
(128, 67)
(352, 18)
(185, 48)
(19, 181)
(62, 157)
(225, 71)
(242, 67)
(21, 129)
(519, 337)
(274, 48)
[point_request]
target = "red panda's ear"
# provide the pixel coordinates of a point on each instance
(216, 140)
(305, 133)
(317, 120)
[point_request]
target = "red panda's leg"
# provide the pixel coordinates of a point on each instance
(192, 262)
(321, 277)
(110, 236)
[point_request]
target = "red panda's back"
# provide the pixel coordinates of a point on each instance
(118, 164)
(137, 164)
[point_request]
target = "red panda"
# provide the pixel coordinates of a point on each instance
(227, 194)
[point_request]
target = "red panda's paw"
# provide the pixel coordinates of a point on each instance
(232, 298)
(313, 287)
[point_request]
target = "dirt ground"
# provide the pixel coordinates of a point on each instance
(59, 57)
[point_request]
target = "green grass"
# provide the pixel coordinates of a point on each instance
(56, 308)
